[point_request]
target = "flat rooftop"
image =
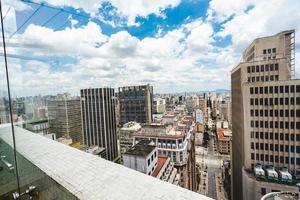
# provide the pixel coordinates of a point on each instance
(143, 148)
(161, 160)
(90, 177)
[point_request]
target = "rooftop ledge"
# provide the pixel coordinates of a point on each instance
(89, 177)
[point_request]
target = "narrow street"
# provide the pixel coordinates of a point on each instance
(213, 167)
(210, 159)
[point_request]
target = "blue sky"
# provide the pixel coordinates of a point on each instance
(175, 45)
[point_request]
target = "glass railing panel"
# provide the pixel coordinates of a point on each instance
(8, 168)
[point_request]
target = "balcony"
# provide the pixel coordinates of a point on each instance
(62, 172)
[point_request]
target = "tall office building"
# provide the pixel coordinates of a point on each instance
(99, 120)
(136, 104)
(65, 118)
(265, 118)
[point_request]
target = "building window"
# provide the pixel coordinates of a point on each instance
(262, 68)
(267, 78)
(286, 89)
(251, 90)
(274, 50)
(292, 101)
(292, 88)
(281, 89)
(266, 90)
(248, 69)
(276, 66)
(253, 68)
(267, 67)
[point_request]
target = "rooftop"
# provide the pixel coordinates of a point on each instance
(87, 176)
(160, 163)
(131, 126)
(143, 148)
(224, 134)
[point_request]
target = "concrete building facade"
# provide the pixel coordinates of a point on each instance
(99, 120)
(65, 118)
(265, 111)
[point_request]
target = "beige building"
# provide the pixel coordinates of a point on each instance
(125, 135)
(177, 143)
(266, 115)
(202, 106)
(224, 140)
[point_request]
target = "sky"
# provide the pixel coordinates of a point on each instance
(59, 46)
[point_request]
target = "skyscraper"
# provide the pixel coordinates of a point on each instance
(265, 118)
(65, 118)
(99, 119)
(136, 103)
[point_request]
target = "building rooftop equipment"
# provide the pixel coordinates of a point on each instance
(271, 173)
(258, 171)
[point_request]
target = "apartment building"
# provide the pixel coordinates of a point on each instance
(143, 157)
(265, 118)
(177, 143)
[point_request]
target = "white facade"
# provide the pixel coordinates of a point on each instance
(145, 164)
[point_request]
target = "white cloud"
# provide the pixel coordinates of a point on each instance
(183, 59)
(120, 59)
(220, 10)
(142, 8)
(70, 42)
(128, 9)
(264, 19)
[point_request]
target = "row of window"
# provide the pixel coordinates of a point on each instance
(262, 68)
(274, 89)
(274, 101)
(273, 50)
(276, 147)
(274, 113)
(276, 124)
(271, 135)
(263, 78)
(277, 159)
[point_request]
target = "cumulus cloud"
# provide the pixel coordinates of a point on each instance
(142, 8)
(220, 11)
(186, 58)
(124, 9)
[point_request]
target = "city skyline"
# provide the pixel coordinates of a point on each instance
(119, 41)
